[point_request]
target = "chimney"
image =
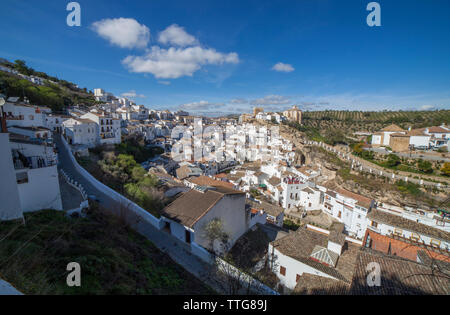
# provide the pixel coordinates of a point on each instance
(336, 242)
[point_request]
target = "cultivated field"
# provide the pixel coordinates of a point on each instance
(353, 121)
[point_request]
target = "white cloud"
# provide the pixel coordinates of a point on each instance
(174, 62)
(202, 105)
(239, 101)
(164, 82)
(132, 94)
(123, 32)
(271, 100)
(176, 35)
(427, 107)
(283, 67)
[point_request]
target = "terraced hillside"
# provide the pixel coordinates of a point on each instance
(353, 121)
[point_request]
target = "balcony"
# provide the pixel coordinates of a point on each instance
(34, 162)
(419, 243)
(107, 135)
(11, 117)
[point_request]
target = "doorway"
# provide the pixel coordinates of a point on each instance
(188, 236)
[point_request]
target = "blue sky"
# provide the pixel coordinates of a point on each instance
(219, 56)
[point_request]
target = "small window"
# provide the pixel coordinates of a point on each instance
(282, 270)
(415, 237)
(374, 224)
(22, 178)
(398, 232)
(435, 243)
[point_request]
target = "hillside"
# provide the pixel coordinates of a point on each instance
(113, 258)
(55, 93)
(353, 121)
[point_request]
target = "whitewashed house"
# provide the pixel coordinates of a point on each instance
(80, 131)
(310, 252)
(187, 217)
(24, 115)
(349, 208)
(30, 173)
(109, 130)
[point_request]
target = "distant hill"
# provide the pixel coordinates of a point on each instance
(54, 93)
(351, 121)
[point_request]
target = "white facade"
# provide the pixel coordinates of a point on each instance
(10, 207)
(293, 268)
(348, 211)
(108, 129)
(24, 115)
(81, 131)
(41, 189)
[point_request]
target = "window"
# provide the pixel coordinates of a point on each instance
(282, 270)
(435, 243)
(374, 224)
(415, 237)
(398, 232)
(22, 178)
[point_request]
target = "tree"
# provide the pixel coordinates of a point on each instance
(425, 166)
(446, 169)
(358, 148)
(214, 233)
(393, 160)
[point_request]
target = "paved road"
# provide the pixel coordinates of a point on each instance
(177, 250)
(71, 198)
(7, 289)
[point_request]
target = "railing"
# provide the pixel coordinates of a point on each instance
(374, 229)
(419, 244)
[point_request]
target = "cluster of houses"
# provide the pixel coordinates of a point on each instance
(33, 79)
(312, 256)
(400, 140)
(293, 114)
(248, 181)
(29, 175)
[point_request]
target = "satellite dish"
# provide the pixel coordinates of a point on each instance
(2, 101)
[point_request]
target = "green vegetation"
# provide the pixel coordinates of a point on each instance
(446, 169)
(121, 172)
(136, 147)
(393, 162)
(408, 187)
(254, 193)
(330, 136)
(56, 95)
(352, 121)
(113, 258)
(290, 225)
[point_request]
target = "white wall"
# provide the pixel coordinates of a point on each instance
(231, 210)
(293, 268)
(419, 141)
(42, 190)
(376, 139)
(10, 207)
